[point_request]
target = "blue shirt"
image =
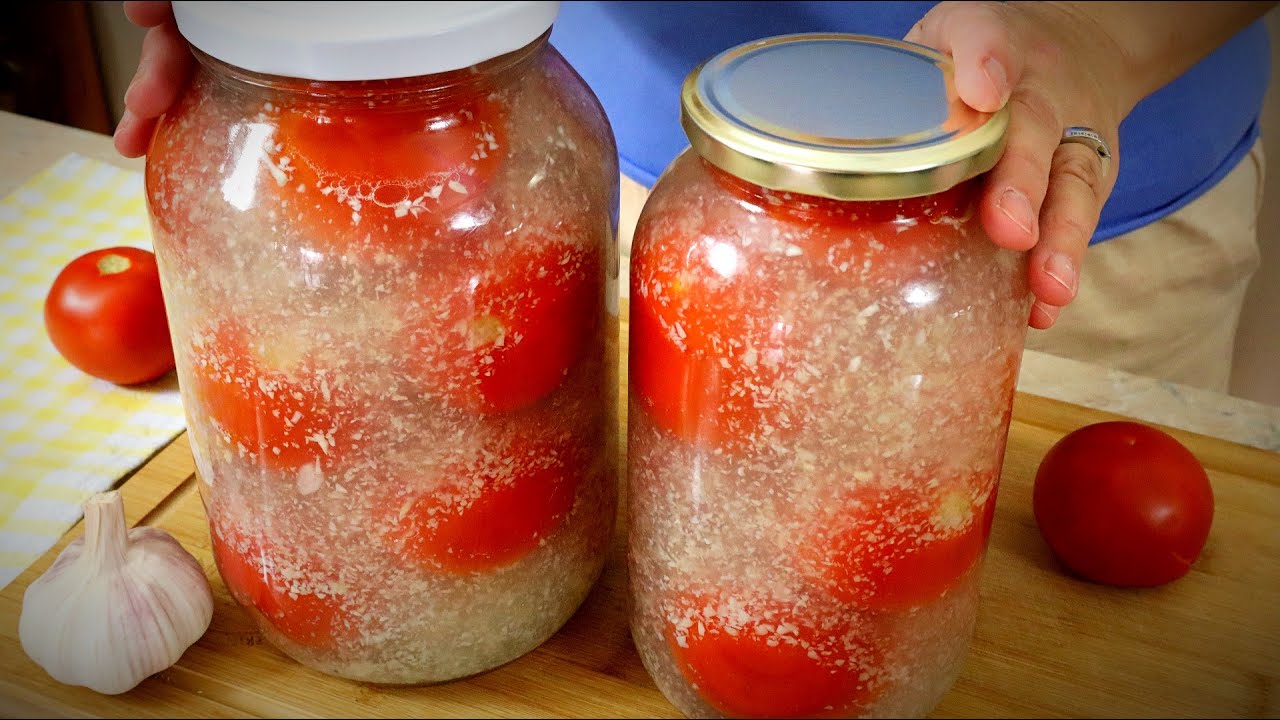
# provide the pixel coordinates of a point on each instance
(1174, 146)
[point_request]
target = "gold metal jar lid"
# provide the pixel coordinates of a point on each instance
(848, 117)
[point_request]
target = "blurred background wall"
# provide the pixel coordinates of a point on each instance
(1256, 374)
(92, 61)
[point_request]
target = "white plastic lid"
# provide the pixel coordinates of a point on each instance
(360, 40)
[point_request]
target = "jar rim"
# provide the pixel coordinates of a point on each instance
(838, 115)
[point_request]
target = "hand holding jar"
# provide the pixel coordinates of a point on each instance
(1058, 66)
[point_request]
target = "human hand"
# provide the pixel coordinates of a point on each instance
(163, 70)
(1050, 66)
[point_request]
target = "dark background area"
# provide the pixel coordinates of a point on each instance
(49, 66)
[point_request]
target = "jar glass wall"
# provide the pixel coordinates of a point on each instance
(388, 301)
(820, 393)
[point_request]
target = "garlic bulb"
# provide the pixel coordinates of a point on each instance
(117, 606)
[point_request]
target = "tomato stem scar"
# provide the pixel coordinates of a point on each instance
(113, 264)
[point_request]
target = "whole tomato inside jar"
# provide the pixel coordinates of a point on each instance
(824, 347)
(385, 234)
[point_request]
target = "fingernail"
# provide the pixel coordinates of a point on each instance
(126, 118)
(1048, 314)
(1017, 208)
(1059, 267)
(998, 77)
(129, 90)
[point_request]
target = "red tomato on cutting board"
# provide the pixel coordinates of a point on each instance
(105, 314)
(1123, 503)
(762, 658)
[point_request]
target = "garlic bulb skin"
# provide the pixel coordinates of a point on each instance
(117, 606)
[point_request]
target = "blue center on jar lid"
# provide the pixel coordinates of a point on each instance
(849, 117)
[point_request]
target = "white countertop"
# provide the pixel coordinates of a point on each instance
(28, 146)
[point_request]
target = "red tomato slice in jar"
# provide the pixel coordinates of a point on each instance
(762, 658)
(374, 178)
(505, 334)
(489, 513)
(298, 602)
(270, 402)
(886, 256)
(170, 217)
(892, 548)
(707, 350)
(863, 242)
(679, 389)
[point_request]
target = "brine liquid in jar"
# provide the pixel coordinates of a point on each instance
(823, 353)
(387, 295)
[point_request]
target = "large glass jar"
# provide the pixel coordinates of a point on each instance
(388, 300)
(824, 349)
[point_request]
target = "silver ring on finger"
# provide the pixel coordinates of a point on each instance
(1091, 139)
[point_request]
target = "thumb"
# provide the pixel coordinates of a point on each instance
(976, 36)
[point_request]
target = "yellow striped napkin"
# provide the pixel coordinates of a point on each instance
(63, 434)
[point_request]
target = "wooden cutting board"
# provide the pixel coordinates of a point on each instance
(1207, 645)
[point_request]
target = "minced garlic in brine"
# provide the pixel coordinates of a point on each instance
(388, 309)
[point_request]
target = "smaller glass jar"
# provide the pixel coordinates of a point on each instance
(385, 234)
(824, 346)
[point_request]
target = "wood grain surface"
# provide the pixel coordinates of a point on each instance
(1047, 644)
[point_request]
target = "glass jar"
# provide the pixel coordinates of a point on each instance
(824, 349)
(388, 299)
